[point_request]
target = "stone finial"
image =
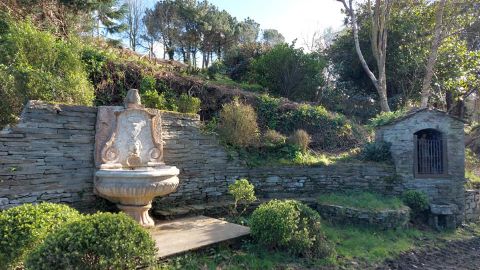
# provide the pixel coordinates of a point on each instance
(132, 100)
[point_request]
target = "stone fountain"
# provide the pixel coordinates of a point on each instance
(129, 158)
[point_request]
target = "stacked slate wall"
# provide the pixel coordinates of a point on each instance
(48, 156)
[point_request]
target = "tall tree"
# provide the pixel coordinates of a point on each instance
(162, 25)
(272, 37)
(380, 17)
(108, 16)
(247, 31)
(432, 58)
(133, 20)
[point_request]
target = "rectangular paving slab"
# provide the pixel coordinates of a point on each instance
(184, 234)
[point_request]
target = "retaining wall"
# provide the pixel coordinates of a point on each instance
(48, 156)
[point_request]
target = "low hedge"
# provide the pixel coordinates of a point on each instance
(291, 226)
(99, 241)
(26, 226)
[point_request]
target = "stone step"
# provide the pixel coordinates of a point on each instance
(185, 234)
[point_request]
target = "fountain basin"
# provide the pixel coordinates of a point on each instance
(134, 189)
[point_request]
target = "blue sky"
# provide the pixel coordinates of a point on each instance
(293, 18)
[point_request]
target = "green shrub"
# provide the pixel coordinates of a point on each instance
(188, 104)
(36, 65)
(238, 124)
(289, 225)
(148, 84)
(217, 67)
(386, 118)
(289, 72)
(99, 241)
(151, 99)
(242, 192)
(330, 131)
(300, 139)
(417, 201)
(273, 138)
(26, 226)
(378, 151)
(268, 111)
(94, 60)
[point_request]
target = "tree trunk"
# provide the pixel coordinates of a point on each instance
(432, 58)
(379, 46)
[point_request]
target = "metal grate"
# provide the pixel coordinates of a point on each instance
(430, 156)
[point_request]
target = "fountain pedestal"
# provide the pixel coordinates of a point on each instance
(129, 155)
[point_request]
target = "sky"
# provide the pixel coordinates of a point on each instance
(295, 19)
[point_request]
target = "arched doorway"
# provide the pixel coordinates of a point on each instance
(430, 153)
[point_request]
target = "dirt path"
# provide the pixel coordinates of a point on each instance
(454, 255)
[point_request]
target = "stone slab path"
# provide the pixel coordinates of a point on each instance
(184, 234)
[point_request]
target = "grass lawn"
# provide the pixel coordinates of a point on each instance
(356, 248)
(361, 200)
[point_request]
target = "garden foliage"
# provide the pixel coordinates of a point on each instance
(289, 225)
(377, 151)
(238, 124)
(242, 192)
(417, 201)
(329, 130)
(188, 104)
(99, 241)
(289, 72)
(300, 139)
(385, 118)
(36, 65)
(24, 227)
(273, 139)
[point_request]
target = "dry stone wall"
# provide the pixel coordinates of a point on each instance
(472, 205)
(48, 156)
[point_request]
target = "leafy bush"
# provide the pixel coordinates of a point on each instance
(188, 104)
(99, 241)
(289, 72)
(238, 124)
(300, 139)
(94, 60)
(330, 131)
(242, 192)
(386, 118)
(289, 225)
(26, 226)
(151, 99)
(148, 83)
(378, 151)
(268, 111)
(36, 65)
(273, 138)
(417, 201)
(217, 67)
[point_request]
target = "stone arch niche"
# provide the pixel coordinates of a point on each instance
(428, 151)
(430, 155)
